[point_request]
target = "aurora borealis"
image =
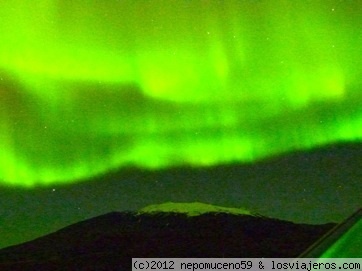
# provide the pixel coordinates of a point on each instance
(116, 105)
(87, 87)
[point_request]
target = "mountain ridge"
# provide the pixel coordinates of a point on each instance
(191, 209)
(112, 239)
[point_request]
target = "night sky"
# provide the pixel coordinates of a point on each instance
(91, 88)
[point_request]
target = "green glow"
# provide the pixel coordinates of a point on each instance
(191, 209)
(348, 246)
(90, 87)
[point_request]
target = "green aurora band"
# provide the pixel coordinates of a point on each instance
(91, 86)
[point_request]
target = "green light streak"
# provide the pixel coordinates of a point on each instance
(90, 87)
(348, 245)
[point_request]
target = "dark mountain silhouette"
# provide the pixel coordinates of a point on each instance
(109, 242)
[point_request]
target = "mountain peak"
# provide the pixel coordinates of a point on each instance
(191, 208)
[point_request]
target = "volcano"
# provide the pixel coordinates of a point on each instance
(110, 241)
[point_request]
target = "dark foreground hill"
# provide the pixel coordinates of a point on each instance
(109, 242)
